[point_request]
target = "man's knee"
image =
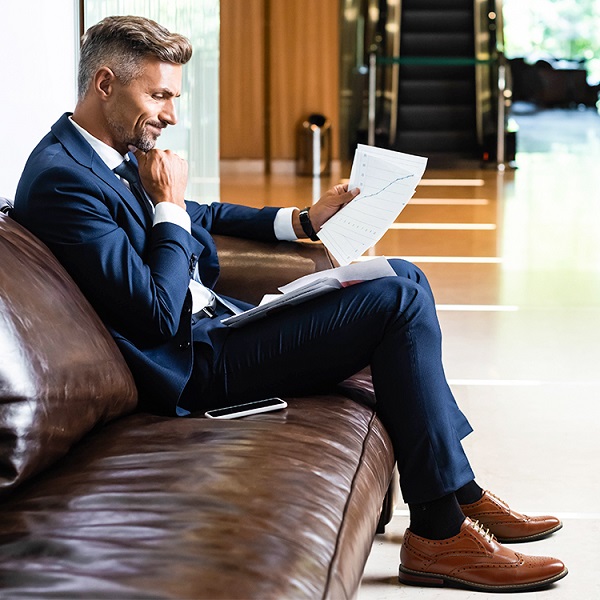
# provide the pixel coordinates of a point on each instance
(401, 294)
(408, 270)
(404, 268)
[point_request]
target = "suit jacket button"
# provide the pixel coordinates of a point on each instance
(193, 262)
(184, 345)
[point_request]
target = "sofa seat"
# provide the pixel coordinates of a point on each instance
(99, 499)
(280, 505)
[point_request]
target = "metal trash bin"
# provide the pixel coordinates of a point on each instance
(313, 155)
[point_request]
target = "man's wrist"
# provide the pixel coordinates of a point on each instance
(306, 224)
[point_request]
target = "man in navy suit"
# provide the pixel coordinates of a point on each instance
(111, 207)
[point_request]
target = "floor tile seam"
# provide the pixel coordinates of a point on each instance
(477, 307)
(493, 260)
(523, 382)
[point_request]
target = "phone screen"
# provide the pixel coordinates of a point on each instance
(250, 408)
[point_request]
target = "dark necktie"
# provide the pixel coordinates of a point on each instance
(128, 171)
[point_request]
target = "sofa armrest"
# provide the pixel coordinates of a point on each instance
(250, 269)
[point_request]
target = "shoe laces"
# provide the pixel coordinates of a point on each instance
(495, 496)
(502, 502)
(479, 528)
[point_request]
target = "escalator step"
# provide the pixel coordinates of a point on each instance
(441, 92)
(436, 118)
(437, 20)
(445, 5)
(432, 72)
(424, 142)
(447, 44)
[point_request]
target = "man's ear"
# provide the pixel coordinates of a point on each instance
(104, 82)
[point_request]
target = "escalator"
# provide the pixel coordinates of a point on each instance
(434, 91)
(436, 96)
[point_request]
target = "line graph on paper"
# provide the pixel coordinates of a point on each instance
(387, 181)
(388, 186)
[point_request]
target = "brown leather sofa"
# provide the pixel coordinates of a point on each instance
(100, 500)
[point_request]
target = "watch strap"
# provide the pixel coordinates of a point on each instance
(307, 225)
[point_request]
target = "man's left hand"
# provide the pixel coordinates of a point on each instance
(329, 204)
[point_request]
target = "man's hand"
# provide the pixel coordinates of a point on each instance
(164, 175)
(331, 201)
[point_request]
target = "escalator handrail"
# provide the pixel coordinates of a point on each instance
(434, 60)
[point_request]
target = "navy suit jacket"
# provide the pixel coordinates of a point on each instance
(135, 275)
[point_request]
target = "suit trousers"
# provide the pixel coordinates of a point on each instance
(389, 324)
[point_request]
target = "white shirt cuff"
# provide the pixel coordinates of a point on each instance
(283, 227)
(167, 212)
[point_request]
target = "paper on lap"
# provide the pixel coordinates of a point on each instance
(313, 285)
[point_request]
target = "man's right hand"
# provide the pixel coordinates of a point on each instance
(330, 203)
(164, 175)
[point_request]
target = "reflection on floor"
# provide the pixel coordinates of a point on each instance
(514, 260)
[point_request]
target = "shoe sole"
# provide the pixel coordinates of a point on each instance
(530, 538)
(409, 577)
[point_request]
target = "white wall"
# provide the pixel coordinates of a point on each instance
(38, 50)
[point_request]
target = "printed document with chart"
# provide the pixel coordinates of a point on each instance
(387, 181)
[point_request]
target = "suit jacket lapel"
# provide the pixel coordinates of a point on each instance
(84, 154)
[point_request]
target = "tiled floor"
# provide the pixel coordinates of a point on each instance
(514, 260)
(524, 361)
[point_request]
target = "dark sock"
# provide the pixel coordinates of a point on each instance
(469, 493)
(436, 520)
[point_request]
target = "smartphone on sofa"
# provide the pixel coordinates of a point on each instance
(249, 408)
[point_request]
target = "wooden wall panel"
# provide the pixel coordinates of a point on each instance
(304, 67)
(241, 102)
(303, 73)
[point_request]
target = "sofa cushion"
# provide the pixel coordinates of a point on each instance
(60, 371)
(250, 268)
(279, 505)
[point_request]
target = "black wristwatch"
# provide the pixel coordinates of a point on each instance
(307, 226)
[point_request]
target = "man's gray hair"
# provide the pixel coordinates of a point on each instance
(123, 43)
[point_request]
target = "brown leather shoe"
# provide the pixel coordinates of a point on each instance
(509, 526)
(473, 559)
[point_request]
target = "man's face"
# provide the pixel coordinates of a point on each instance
(138, 112)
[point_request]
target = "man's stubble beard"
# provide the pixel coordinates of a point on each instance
(145, 141)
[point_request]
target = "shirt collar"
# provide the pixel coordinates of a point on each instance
(109, 155)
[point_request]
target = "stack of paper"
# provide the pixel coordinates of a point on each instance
(313, 285)
(387, 181)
